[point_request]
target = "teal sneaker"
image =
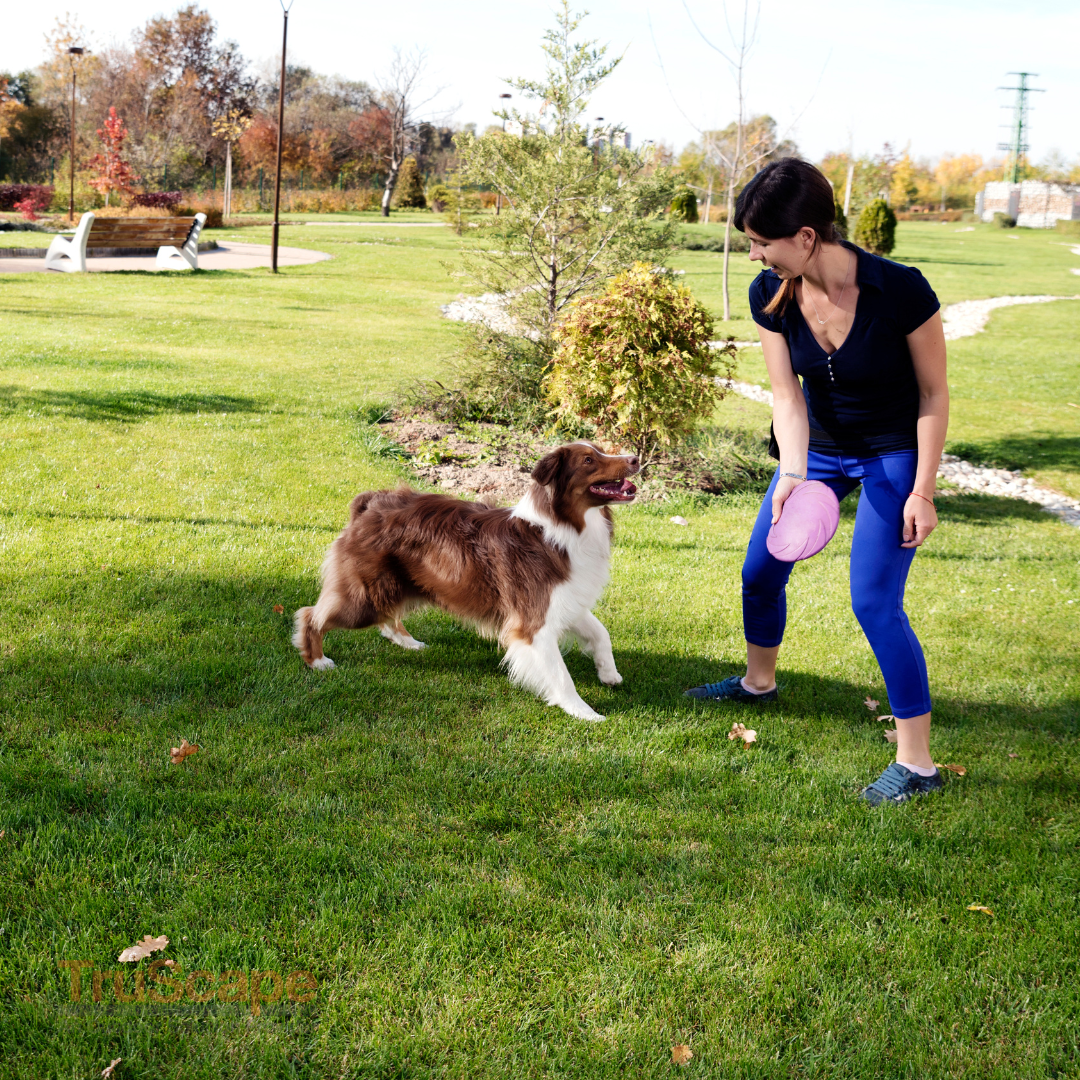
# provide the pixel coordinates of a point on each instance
(897, 784)
(730, 690)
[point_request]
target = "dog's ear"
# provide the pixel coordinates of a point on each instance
(549, 466)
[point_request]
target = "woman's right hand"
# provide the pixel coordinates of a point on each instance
(784, 487)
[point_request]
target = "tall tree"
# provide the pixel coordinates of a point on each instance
(574, 214)
(111, 169)
(398, 92)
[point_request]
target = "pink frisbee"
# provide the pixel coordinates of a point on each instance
(807, 522)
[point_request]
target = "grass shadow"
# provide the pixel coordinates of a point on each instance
(1040, 449)
(124, 406)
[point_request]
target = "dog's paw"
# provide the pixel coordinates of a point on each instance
(412, 643)
(581, 710)
(610, 677)
(324, 663)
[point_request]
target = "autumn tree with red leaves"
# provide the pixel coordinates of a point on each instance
(113, 171)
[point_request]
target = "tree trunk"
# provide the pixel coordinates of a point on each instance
(708, 201)
(228, 180)
(391, 183)
(727, 244)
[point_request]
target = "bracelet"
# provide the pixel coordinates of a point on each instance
(797, 476)
(918, 496)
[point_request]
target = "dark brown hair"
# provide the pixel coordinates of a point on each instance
(786, 196)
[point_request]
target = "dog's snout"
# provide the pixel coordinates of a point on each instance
(634, 462)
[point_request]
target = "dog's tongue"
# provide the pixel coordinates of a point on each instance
(616, 489)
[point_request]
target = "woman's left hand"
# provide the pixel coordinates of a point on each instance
(920, 520)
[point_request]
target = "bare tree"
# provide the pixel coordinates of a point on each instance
(397, 92)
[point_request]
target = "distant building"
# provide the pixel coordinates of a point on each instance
(1034, 204)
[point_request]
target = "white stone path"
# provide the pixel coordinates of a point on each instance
(963, 320)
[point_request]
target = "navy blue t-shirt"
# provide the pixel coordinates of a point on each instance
(863, 399)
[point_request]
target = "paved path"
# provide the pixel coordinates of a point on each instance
(229, 255)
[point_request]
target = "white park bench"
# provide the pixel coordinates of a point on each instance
(176, 238)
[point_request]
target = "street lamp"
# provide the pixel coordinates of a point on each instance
(498, 194)
(280, 135)
(73, 52)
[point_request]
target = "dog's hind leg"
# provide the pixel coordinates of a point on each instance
(330, 613)
(538, 665)
(596, 642)
(394, 630)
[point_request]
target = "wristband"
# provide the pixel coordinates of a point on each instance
(918, 496)
(797, 476)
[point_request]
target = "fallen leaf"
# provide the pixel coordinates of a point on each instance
(108, 1070)
(890, 735)
(958, 769)
(888, 716)
(741, 731)
(143, 948)
(185, 749)
(170, 963)
(980, 907)
(681, 1055)
(278, 609)
(676, 520)
(870, 703)
(1011, 755)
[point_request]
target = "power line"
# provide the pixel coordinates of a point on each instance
(1017, 147)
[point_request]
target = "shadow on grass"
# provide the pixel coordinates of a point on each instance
(1035, 450)
(161, 519)
(124, 406)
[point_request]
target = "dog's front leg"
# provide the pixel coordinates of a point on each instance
(596, 642)
(538, 665)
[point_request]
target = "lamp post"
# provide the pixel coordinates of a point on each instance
(280, 136)
(498, 194)
(73, 52)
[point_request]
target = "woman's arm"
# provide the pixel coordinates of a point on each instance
(927, 345)
(790, 425)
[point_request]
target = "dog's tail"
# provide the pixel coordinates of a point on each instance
(305, 638)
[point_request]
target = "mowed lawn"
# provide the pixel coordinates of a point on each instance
(477, 884)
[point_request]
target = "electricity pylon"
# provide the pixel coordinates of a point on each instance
(1018, 147)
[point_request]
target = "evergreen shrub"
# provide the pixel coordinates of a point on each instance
(841, 221)
(684, 206)
(409, 190)
(636, 362)
(876, 228)
(1003, 221)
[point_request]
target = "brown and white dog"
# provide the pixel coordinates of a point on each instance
(527, 576)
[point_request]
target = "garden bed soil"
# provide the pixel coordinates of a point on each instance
(493, 463)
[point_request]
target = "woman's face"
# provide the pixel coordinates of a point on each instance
(787, 256)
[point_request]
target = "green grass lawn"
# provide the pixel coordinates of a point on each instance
(478, 884)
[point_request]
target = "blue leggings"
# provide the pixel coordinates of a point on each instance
(879, 569)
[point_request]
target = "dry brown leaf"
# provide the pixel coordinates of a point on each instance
(278, 609)
(170, 963)
(681, 1054)
(185, 749)
(890, 735)
(887, 716)
(1011, 755)
(108, 1070)
(143, 948)
(958, 769)
(741, 731)
(980, 907)
(870, 703)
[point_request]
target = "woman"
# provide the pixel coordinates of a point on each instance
(865, 335)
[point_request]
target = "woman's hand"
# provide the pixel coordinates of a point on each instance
(784, 487)
(920, 520)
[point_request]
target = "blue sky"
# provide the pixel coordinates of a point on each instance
(837, 71)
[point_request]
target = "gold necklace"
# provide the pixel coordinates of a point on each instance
(836, 306)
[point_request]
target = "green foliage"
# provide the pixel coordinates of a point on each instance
(876, 228)
(713, 241)
(409, 190)
(497, 378)
(684, 206)
(1003, 221)
(636, 362)
(841, 220)
(439, 197)
(571, 218)
(1070, 228)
